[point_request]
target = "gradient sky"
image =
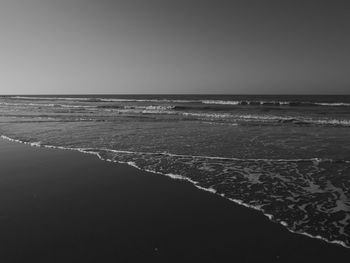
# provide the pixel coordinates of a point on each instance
(147, 46)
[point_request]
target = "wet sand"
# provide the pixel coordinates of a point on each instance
(65, 206)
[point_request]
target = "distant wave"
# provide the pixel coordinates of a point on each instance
(212, 102)
(194, 111)
(47, 98)
(275, 103)
(150, 107)
(270, 118)
(101, 99)
(296, 120)
(126, 107)
(332, 104)
(45, 105)
(221, 102)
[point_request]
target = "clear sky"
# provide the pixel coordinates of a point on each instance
(148, 46)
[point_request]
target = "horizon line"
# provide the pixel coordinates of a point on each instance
(175, 94)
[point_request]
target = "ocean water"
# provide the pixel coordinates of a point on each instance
(287, 156)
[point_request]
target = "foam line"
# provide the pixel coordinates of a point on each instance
(317, 160)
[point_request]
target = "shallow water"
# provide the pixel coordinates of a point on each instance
(288, 156)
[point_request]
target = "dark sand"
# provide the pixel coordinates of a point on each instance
(65, 206)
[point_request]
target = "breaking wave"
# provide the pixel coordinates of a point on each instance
(275, 103)
(271, 118)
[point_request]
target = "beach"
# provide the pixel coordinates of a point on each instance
(174, 131)
(65, 206)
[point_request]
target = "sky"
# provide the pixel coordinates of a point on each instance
(174, 47)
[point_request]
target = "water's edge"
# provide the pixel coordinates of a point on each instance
(178, 177)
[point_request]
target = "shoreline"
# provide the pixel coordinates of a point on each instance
(266, 232)
(182, 178)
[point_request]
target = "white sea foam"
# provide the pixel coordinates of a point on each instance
(269, 118)
(273, 102)
(295, 119)
(150, 107)
(221, 102)
(45, 105)
(208, 115)
(216, 157)
(339, 104)
(36, 144)
(318, 160)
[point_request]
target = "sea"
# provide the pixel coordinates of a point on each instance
(286, 156)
